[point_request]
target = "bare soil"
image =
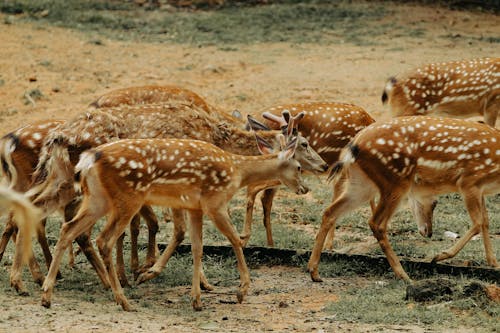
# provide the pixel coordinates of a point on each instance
(70, 71)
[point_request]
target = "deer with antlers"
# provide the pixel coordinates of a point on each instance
(422, 157)
(328, 126)
(120, 177)
(92, 128)
(24, 216)
(455, 89)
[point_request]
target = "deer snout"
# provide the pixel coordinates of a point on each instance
(425, 232)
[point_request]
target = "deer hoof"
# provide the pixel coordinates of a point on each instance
(315, 276)
(240, 296)
(146, 276)
(46, 303)
(204, 285)
(197, 304)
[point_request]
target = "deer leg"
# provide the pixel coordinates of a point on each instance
(337, 191)
(488, 247)
(221, 219)
(476, 207)
(351, 195)
(35, 270)
(17, 265)
(152, 222)
(69, 212)
(134, 247)
(267, 204)
(8, 232)
(196, 234)
(113, 230)
(69, 231)
(252, 192)
(71, 256)
(346, 202)
(120, 262)
(177, 238)
(83, 241)
(378, 224)
(44, 243)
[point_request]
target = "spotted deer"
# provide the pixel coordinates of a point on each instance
(328, 126)
(155, 94)
(422, 157)
(120, 177)
(95, 127)
(19, 151)
(454, 89)
(24, 215)
(158, 94)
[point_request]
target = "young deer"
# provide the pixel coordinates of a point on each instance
(455, 89)
(422, 157)
(328, 126)
(120, 177)
(92, 128)
(24, 215)
(154, 94)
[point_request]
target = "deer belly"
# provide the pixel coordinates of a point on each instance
(179, 196)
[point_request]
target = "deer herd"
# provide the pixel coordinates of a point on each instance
(146, 146)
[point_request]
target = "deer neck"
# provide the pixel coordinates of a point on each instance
(254, 169)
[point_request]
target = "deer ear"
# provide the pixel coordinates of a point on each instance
(255, 125)
(265, 147)
(289, 150)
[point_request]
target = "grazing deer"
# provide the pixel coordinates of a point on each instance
(24, 215)
(59, 155)
(455, 89)
(120, 177)
(328, 126)
(422, 157)
(158, 94)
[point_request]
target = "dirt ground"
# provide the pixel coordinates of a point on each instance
(71, 70)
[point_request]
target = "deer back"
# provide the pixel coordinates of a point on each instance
(434, 155)
(177, 173)
(150, 94)
(160, 94)
(456, 89)
(99, 126)
(20, 150)
(328, 126)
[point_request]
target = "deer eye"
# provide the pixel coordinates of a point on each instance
(304, 144)
(299, 168)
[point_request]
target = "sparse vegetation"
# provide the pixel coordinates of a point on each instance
(368, 296)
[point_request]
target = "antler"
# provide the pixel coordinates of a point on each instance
(288, 123)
